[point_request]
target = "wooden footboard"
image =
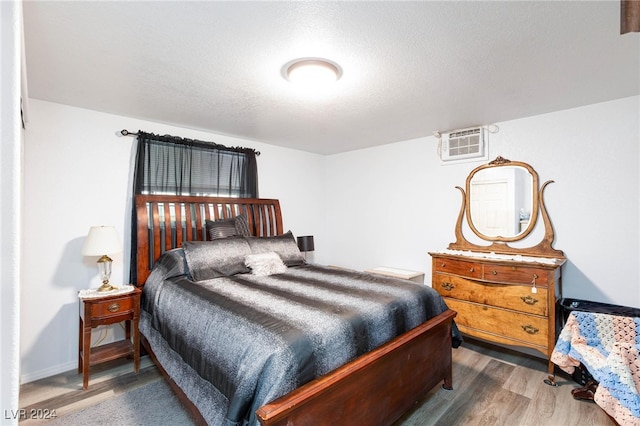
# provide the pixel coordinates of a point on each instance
(375, 389)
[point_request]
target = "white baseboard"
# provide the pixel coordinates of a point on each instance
(145, 361)
(48, 372)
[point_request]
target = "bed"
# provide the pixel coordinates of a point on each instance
(255, 357)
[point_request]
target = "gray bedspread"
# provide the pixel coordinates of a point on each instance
(254, 339)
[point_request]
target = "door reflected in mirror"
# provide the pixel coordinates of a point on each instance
(501, 201)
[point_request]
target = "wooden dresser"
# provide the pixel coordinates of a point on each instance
(500, 300)
(503, 283)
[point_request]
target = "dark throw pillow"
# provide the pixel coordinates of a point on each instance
(224, 228)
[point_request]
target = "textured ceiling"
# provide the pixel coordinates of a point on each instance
(410, 68)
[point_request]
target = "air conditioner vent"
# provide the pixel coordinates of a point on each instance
(464, 144)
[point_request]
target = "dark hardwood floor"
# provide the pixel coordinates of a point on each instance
(492, 386)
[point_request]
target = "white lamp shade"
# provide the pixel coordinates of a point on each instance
(102, 240)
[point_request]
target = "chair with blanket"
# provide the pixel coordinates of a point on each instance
(607, 346)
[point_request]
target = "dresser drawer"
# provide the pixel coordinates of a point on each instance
(516, 274)
(514, 297)
(458, 267)
(112, 307)
(526, 328)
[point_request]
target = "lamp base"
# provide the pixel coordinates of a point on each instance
(106, 286)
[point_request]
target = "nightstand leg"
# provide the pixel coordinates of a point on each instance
(80, 346)
(136, 345)
(127, 329)
(86, 355)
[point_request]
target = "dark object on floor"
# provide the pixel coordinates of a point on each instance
(581, 375)
(586, 392)
(570, 305)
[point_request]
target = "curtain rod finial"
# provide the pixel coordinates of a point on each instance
(125, 132)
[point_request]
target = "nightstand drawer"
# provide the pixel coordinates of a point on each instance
(111, 307)
(516, 297)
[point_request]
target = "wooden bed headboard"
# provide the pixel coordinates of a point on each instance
(184, 217)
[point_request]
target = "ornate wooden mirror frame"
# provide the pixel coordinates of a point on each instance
(499, 242)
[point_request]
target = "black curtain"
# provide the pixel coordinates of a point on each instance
(172, 165)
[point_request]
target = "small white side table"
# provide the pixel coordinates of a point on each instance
(414, 276)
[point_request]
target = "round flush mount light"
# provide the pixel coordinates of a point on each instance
(311, 71)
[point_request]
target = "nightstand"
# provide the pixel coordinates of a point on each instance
(104, 310)
(414, 276)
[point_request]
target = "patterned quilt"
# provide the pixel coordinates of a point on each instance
(607, 345)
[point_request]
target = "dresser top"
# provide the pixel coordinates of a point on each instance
(550, 261)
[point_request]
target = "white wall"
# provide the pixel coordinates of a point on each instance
(383, 206)
(390, 205)
(77, 174)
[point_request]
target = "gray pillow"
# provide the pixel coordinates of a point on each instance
(285, 245)
(223, 228)
(170, 264)
(218, 258)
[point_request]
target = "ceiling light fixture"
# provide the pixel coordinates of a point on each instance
(311, 71)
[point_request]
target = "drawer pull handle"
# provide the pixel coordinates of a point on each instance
(529, 300)
(447, 286)
(442, 265)
(530, 329)
(495, 272)
(114, 307)
(472, 269)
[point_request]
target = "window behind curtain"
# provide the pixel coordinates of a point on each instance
(171, 165)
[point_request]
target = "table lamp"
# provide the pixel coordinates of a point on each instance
(305, 244)
(102, 241)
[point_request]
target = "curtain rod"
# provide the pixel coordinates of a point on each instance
(125, 132)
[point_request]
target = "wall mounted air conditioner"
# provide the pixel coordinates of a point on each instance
(464, 144)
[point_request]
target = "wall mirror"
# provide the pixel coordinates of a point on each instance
(502, 202)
